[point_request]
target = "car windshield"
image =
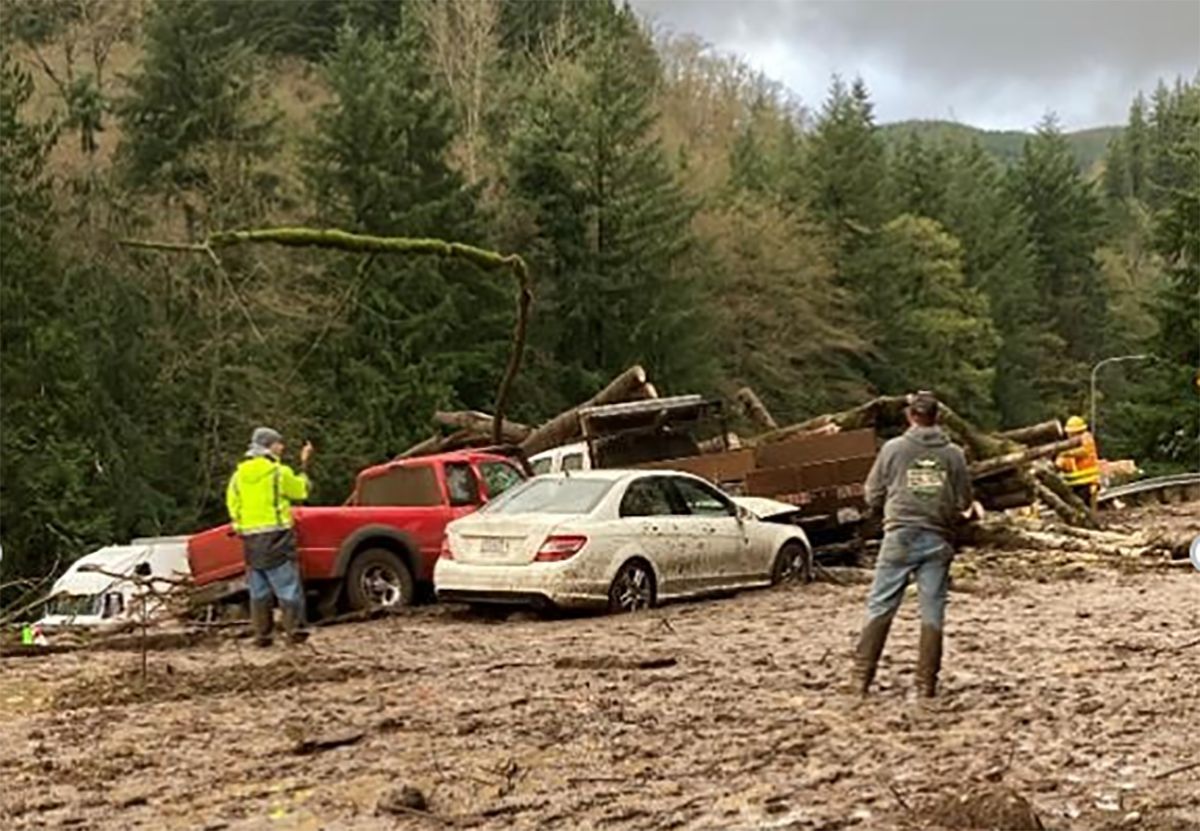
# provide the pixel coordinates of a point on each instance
(552, 496)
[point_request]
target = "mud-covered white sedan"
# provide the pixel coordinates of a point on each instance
(620, 539)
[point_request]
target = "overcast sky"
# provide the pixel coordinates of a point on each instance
(998, 64)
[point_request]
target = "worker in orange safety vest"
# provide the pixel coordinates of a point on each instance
(1080, 466)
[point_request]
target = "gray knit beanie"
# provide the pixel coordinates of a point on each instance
(261, 441)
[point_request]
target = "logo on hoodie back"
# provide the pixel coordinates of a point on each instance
(926, 477)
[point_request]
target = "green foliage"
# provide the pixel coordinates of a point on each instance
(1065, 226)
(197, 85)
(937, 333)
(1088, 147)
(416, 335)
(609, 237)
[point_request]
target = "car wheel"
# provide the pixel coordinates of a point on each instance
(632, 589)
(377, 578)
(792, 560)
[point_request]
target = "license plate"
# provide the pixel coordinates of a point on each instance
(493, 546)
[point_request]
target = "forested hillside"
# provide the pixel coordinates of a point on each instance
(1087, 146)
(675, 208)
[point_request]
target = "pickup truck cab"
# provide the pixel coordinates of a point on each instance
(382, 545)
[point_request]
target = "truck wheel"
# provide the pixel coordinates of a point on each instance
(377, 578)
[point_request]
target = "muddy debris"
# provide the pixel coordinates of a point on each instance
(614, 662)
(983, 808)
(308, 745)
(163, 682)
(403, 799)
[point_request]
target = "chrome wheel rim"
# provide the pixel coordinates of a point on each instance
(382, 586)
(633, 590)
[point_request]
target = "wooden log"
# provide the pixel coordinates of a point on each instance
(1021, 458)
(564, 427)
(756, 410)
(887, 414)
(1035, 434)
(1074, 511)
(511, 432)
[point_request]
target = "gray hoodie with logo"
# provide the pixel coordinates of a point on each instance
(920, 480)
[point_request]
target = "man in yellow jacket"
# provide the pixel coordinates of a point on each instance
(259, 497)
(1080, 467)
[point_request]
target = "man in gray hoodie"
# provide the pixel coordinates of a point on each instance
(920, 483)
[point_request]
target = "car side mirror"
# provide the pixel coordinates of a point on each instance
(743, 514)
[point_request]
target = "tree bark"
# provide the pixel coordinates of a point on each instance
(887, 413)
(756, 410)
(1066, 504)
(564, 427)
(511, 432)
(1044, 433)
(1021, 458)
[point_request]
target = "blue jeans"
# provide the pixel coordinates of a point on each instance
(283, 581)
(905, 552)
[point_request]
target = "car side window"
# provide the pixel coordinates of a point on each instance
(573, 461)
(702, 500)
(462, 486)
(542, 466)
(499, 477)
(647, 497)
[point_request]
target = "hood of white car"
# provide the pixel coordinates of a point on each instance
(763, 508)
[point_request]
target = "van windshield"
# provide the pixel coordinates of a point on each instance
(72, 605)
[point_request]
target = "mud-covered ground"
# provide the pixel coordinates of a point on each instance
(1078, 690)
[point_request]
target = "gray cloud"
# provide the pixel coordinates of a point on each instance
(993, 63)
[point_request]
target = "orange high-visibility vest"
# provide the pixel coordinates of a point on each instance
(1080, 466)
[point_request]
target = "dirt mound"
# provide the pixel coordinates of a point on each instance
(983, 808)
(164, 682)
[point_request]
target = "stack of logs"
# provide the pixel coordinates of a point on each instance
(474, 429)
(1010, 469)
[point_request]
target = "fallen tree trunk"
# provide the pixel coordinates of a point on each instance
(511, 432)
(1044, 433)
(1021, 458)
(1072, 509)
(887, 413)
(756, 410)
(564, 427)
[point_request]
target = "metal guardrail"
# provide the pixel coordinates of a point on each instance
(1148, 485)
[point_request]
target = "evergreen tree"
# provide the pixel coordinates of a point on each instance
(937, 334)
(918, 178)
(610, 239)
(845, 163)
(998, 259)
(1065, 225)
(196, 88)
(416, 335)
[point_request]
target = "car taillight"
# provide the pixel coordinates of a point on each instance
(560, 547)
(446, 553)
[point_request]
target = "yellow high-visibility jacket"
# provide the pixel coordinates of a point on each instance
(260, 495)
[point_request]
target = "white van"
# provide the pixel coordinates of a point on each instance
(85, 596)
(557, 459)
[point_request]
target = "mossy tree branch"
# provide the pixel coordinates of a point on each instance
(339, 240)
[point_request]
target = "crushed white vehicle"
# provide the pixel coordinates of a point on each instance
(617, 539)
(106, 587)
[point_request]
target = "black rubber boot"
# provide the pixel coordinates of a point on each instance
(293, 625)
(866, 657)
(929, 660)
(262, 621)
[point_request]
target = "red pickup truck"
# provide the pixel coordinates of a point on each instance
(383, 543)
